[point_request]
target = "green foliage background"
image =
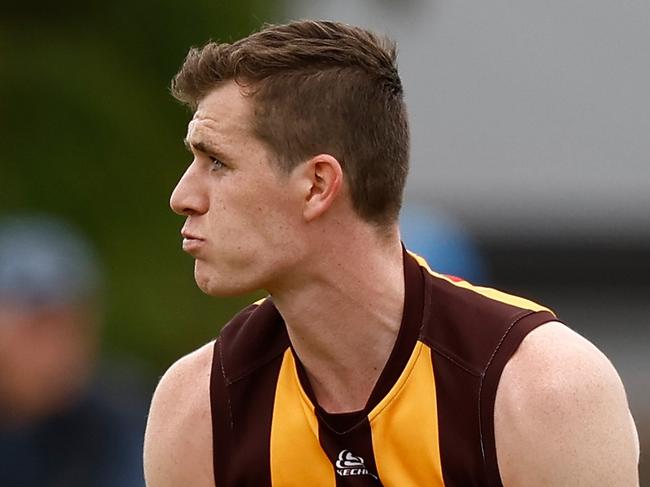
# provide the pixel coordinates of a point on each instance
(88, 131)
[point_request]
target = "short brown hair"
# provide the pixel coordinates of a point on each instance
(318, 87)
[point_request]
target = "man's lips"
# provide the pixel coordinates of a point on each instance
(191, 241)
(190, 236)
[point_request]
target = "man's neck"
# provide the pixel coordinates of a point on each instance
(343, 319)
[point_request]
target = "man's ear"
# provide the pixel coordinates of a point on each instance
(322, 180)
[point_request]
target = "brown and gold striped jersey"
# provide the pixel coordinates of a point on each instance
(428, 421)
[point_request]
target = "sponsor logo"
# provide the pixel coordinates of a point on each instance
(348, 465)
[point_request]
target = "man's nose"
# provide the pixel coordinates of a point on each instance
(189, 197)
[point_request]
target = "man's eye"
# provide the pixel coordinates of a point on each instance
(216, 163)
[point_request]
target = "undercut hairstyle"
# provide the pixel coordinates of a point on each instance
(318, 87)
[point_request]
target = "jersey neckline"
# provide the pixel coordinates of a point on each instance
(407, 337)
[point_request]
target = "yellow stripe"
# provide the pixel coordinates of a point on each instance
(485, 291)
(405, 432)
(296, 455)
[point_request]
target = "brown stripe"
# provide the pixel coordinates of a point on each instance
(251, 458)
(341, 422)
(241, 426)
(242, 393)
(490, 381)
(221, 418)
(458, 425)
(358, 442)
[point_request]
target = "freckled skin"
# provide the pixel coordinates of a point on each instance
(562, 403)
(239, 207)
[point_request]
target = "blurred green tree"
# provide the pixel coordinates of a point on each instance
(88, 131)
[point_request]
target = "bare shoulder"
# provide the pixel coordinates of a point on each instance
(561, 415)
(178, 439)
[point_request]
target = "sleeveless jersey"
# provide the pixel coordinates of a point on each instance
(428, 421)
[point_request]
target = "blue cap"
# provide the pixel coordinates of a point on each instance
(45, 261)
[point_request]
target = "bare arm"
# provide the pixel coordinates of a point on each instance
(561, 416)
(178, 439)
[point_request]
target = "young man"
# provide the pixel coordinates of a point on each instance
(363, 366)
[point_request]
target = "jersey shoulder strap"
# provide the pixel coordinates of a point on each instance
(246, 355)
(472, 332)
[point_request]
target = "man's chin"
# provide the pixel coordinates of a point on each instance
(221, 291)
(220, 286)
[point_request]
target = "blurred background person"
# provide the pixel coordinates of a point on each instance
(59, 425)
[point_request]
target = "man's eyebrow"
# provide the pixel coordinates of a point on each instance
(205, 147)
(199, 146)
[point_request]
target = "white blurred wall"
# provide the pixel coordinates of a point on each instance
(528, 118)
